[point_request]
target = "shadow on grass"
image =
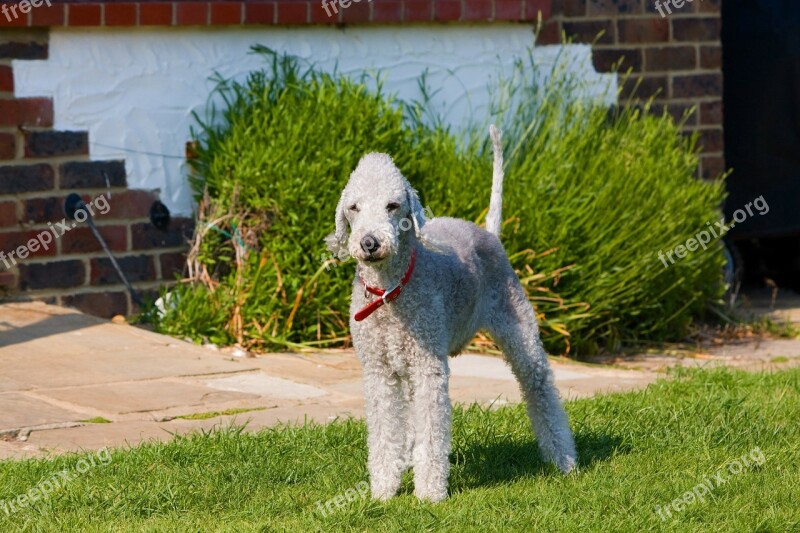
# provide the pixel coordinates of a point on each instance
(481, 464)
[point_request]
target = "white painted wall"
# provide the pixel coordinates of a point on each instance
(134, 89)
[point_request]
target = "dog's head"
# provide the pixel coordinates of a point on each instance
(377, 210)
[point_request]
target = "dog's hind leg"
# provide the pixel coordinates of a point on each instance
(513, 326)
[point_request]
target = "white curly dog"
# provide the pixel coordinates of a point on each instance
(420, 296)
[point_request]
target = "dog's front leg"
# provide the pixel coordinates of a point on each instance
(386, 412)
(431, 418)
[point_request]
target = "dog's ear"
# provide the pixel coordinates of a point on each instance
(337, 241)
(416, 213)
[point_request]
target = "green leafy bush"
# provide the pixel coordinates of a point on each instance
(591, 196)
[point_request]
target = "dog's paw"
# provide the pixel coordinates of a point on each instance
(383, 493)
(431, 495)
(567, 463)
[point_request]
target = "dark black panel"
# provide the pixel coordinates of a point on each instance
(761, 66)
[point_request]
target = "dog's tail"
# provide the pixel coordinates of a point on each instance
(494, 218)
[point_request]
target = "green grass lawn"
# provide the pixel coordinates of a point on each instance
(638, 451)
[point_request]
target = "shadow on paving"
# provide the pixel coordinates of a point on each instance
(11, 334)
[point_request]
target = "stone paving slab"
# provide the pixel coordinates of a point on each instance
(134, 432)
(781, 305)
(492, 392)
(316, 369)
(260, 384)
(17, 450)
(18, 410)
(21, 323)
(749, 354)
(7, 384)
(85, 350)
(469, 365)
(143, 397)
(59, 366)
(758, 351)
(96, 436)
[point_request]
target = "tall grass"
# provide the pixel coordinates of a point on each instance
(591, 196)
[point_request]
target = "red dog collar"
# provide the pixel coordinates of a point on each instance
(385, 296)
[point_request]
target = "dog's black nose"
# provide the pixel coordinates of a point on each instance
(370, 244)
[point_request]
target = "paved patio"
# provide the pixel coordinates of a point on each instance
(64, 371)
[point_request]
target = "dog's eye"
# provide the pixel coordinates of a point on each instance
(392, 206)
(354, 208)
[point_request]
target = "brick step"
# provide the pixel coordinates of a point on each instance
(17, 112)
(44, 144)
(41, 144)
(64, 272)
(8, 146)
(131, 204)
(92, 175)
(26, 44)
(39, 168)
(7, 281)
(6, 79)
(15, 179)
(26, 178)
(102, 304)
(79, 239)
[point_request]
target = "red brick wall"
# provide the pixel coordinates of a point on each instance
(678, 56)
(283, 12)
(39, 167)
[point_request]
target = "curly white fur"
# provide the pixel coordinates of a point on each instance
(462, 283)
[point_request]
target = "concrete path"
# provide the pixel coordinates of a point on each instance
(778, 305)
(63, 373)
